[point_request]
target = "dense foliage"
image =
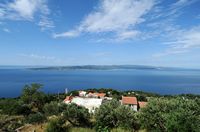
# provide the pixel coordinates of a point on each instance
(163, 113)
(51, 108)
(77, 115)
(36, 118)
(56, 125)
(112, 115)
(170, 115)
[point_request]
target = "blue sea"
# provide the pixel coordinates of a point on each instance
(13, 79)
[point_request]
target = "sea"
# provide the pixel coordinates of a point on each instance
(165, 82)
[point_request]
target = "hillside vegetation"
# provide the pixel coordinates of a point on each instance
(35, 110)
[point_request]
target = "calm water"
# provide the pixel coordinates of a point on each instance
(163, 82)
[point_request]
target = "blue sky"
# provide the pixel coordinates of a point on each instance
(100, 32)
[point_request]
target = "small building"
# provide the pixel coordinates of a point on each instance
(142, 104)
(91, 95)
(96, 95)
(100, 95)
(68, 99)
(82, 93)
(130, 101)
(90, 103)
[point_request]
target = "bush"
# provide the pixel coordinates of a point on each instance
(32, 95)
(112, 115)
(56, 125)
(126, 118)
(51, 108)
(36, 118)
(175, 114)
(106, 116)
(77, 115)
(14, 107)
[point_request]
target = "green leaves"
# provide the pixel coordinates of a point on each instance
(51, 108)
(56, 125)
(32, 96)
(76, 115)
(112, 115)
(36, 118)
(174, 114)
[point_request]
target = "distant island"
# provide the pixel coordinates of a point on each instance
(107, 67)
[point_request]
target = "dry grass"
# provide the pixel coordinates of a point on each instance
(79, 129)
(32, 128)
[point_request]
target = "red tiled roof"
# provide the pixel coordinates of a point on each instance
(142, 104)
(68, 98)
(129, 100)
(100, 94)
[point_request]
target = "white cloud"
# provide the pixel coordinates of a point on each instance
(127, 35)
(182, 3)
(114, 16)
(6, 30)
(72, 33)
(26, 10)
(174, 10)
(182, 41)
(46, 23)
(35, 56)
(39, 57)
(187, 39)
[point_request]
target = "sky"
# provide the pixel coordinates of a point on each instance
(100, 32)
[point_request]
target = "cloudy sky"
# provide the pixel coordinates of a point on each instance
(101, 32)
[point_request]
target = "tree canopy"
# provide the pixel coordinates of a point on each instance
(76, 115)
(169, 115)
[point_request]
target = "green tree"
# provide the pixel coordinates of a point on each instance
(32, 95)
(73, 93)
(77, 115)
(14, 107)
(106, 116)
(126, 118)
(169, 115)
(51, 108)
(112, 115)
(56, 125)
(36, 118)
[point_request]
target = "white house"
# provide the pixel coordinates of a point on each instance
(90, 103)
(82, 93)
(130, 101)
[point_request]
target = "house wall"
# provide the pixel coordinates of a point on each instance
(90, 103)
(134, 107)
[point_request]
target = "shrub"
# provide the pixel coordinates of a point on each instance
(77, 115)
(106, 116)
(175, 114)
(32, 95)
(51, 108)
(112, 115)
(14, 107)
(56, 125)
(36, 118)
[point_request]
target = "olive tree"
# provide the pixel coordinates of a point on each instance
(32, 95)
(174, 114)
(51, 108)
(112, 115)
(76, 115)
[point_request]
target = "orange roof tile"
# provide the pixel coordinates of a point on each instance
(68, 98)
(129, 100)
(100, 94)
